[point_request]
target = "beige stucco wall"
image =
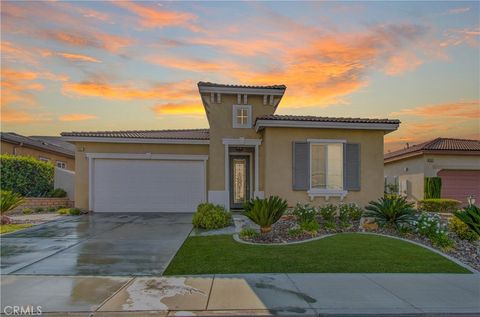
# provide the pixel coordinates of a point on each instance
(81, 162)
(221, 126)
(278, 167)
(428, 165)
(8, 148)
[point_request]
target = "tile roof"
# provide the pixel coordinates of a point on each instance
(209, 84)
(55, 140)
(438, 144)
(37, 143)
(188, 134)
(325, 119)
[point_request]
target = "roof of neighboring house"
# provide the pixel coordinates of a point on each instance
(436, 145)
(55, 140)
(187, 134)
(209, 84)
(44, 145)
(277, 117)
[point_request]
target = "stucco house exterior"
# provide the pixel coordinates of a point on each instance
(248, 151)
(456, 161)
(48, 149)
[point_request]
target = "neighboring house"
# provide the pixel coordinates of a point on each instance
(456, 161)
(47, 149)
(247, 152)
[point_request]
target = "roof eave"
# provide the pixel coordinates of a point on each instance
(425, 152)
(242, 90)
(387, 127)
(133, 140)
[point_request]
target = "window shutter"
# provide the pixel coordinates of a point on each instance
(351, 166)
(301, 166)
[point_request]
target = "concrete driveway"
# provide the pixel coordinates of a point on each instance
(97, 244)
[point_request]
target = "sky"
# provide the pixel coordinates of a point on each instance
(124, 65)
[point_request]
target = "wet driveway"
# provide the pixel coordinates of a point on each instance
(97, 244)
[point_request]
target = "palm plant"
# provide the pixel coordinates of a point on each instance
(391, 211)
(8, 201)
(265, 212)
(471, 217)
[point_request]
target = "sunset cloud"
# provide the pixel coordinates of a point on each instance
(194, 65)
(462, 109)
(195, 108)
(16, 116)
(79, 57)
(76, 117)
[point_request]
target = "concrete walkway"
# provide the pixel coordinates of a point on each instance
(246, 294)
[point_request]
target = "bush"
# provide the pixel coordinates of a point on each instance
(26, 175)
(471, 217)
(310, 226)
(304, 213)
(392, 211)
(328, 212)
(248, 233)
(9, 200)
(265, 212)
(27, 211)
(432, 187)
(462, 230)
(295, 232)
(344, 216)
(438, 205)
(51, 209)
(70, 211)
(210, 216)
(353, 210)
(38, 209)
(57, 193)
(63, 211)
(430, 227)
(442, 240)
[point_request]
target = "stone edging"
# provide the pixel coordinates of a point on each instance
(237, 238)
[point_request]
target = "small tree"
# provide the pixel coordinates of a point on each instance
(432, 187)
(8, 201)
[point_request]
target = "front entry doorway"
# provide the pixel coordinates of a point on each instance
(240, 180)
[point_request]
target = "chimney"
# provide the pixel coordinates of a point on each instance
(407, 145)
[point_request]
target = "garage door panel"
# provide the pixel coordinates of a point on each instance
(459, 184)
(147, 185)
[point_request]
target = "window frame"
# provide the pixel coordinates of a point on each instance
(313, 192)
(61, 162)
(235, 109)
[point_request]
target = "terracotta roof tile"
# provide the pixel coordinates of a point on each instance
(187, 134)
(209, 84)
(325, 119)
(438, 144)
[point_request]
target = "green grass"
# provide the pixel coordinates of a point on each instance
(342, 253)
(13, 227)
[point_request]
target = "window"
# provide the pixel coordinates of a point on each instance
(43, 159)
(61, 164)
(242, 116)
(326, 169)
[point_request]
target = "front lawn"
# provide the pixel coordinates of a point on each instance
(342, 253)
(13, 227)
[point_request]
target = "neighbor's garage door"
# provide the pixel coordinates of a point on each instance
(459, 184)
(136, 185)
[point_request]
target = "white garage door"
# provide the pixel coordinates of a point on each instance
(136, 185)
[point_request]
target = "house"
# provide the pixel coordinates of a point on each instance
(248, 151)
(456, 161)
(48, 149)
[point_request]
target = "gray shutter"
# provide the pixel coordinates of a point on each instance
(301, 166)
(351, 166)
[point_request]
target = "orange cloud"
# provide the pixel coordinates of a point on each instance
(150, 17)
(467, 110)
(15, 116)
(78, 57)
(179, 109)
(77, 117)
(401, 63)
(17, 86)
(195, 65)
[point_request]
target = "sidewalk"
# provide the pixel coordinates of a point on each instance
(247, 294)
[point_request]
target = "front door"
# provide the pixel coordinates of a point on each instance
(239, 180)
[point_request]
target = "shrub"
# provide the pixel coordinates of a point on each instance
(432, 187)
(353, 210)
(430, 227)
(462, 230)
(27, 211)
(9, 200)
(310, 226)
(344, 216)
(328, 212)
(248, 233)
(304, 213)
(295, 232)
(63, 211)
(70, 211)
(471, 217)
(51, 209)
(210, 216)
(57, 193)
(265, 212)
(438, 205)
(26, 175)
(392, 211)
(38, 209)
(442, 240)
